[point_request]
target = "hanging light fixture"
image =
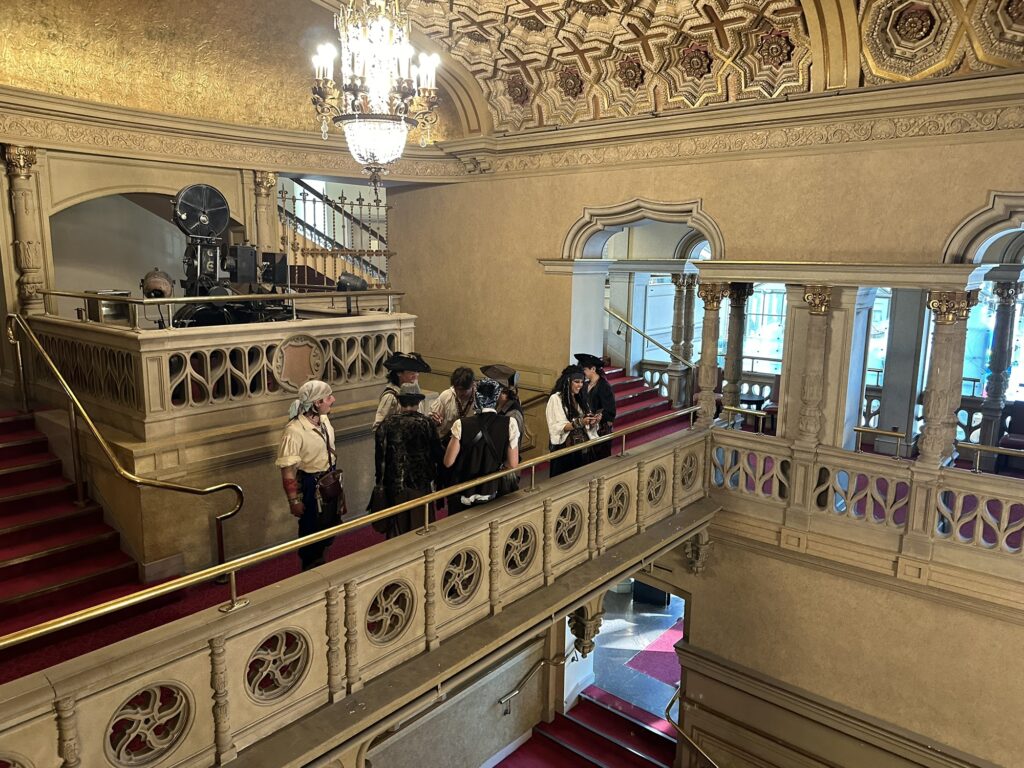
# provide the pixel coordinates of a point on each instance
(380, 93)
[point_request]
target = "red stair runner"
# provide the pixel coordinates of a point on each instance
(636, 402)
(55, 555)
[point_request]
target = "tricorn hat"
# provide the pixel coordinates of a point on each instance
(589, 361)
(409, 394)
(504, 374)
(407, 361)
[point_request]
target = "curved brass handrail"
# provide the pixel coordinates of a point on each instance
(230, 568)
(679, 729)
(19, 321)
(655, 342)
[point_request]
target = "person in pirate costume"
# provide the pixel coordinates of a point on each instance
(403, 368)
(407, 456)
(454, 403)
(508, 399)
(599, 399)
(307, 451)
(569, 421)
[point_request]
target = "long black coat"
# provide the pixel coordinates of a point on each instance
(601, 399)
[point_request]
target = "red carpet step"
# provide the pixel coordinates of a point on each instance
(641, 739)
(56, 555)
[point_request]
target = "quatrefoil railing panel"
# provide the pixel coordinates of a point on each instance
(520, 549)
(861, 495)
(148, 726)
(569, 526)
(461, 577)
(277, 665)
(390, 612)
(657, 483)
(750, 472)
(618, 503)
(976, 519)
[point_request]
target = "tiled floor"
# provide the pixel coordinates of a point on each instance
(628, 628)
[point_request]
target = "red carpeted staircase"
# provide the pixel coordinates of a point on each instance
(55, 556)
(592, 734)
(636, 402)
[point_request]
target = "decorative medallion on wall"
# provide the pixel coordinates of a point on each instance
(277, 665)
(148, 725)
(657, 482)
(688, 471)
(520, 547)
(568, 526)
(390, 612)
(298, 359)
(618, 503)
(461, 577)
(593, 59)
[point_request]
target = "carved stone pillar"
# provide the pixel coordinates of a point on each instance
(28, 238)
(818, 298)
(711, 294)
(945, 372)
(999, 362)
(268, 236)
(738, 295)
(682, 316)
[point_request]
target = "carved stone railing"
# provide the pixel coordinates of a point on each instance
(199, 690)
(981, 512)
(760, 469)
(655, 374)
(151, 383)
(861, 488)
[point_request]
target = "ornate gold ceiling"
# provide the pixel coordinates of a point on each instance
(559, 62)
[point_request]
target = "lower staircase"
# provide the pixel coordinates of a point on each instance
(56, 556)
(592, 734)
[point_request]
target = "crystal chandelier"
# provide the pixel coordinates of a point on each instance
(380, 93)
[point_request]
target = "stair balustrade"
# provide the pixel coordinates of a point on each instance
(694, 756)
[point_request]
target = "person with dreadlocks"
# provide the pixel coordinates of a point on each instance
(307, 452)
(569, 421)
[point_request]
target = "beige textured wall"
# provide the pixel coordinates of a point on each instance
(929, 667)
(467, 252)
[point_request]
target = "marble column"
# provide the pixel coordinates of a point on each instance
(999, 363)
(945, 371)
(682, 316)
(738, 295)
(711, 294)
(818, 298)
(28, 236)
(268, 235)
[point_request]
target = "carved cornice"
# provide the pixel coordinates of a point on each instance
(20, 161)
(950, 307)
(818, 298)
(712, 294)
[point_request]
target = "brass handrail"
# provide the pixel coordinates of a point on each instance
(257, 297)
(759, 415)
(980, 449)
(230, 568)
(900, 437)
(655, 342)
(76, 408)
(679, 729)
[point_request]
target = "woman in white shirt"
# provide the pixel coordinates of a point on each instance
(569, 422)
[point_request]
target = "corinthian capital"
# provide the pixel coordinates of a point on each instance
(20, 161)
(682, 280)
(949, 307)
(818, 298)
(712, 294)
(1007, 293)
(740, 292)
(265, 182)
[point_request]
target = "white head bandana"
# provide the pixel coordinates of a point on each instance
(309, 393)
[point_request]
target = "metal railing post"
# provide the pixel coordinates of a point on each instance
(235, 603)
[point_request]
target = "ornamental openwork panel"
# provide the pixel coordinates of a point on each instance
(976, 519)
(657, 483)
(461, 577)
(618, 503)
(212, 376)
(569, 526)
(860, 495)
(277, 665)
(96, 371)
(689, 470)
(520, 549)
(750, 472)
(149, 725)
(390, 612)
(357, 358)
